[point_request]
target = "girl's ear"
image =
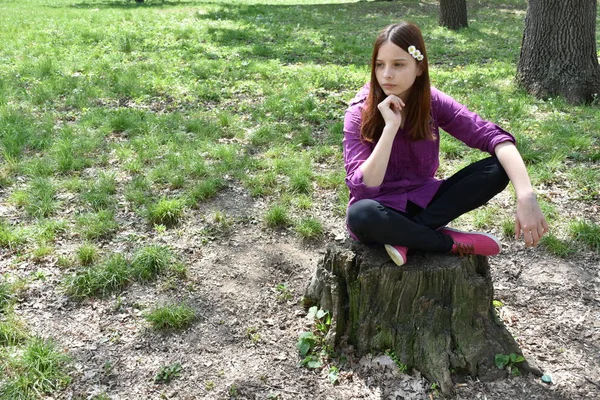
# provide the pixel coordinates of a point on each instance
(419, 69)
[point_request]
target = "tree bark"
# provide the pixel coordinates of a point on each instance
(558, 51)
(453, 14)
(435, 312)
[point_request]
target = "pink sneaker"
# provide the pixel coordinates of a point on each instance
(479, 243)
(397, 253)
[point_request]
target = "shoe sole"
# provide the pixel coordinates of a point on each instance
(494, 238)
(394, 255)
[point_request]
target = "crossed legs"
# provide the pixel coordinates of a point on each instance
(468, 189)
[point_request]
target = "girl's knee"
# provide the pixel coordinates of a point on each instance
(494, 174)
(498, 175)
(362, 214)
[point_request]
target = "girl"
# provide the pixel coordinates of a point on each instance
(391, 154)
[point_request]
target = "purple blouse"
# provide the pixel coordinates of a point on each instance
(412, 166)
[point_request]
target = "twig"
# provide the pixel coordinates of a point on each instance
(273, 388)
(592, 382)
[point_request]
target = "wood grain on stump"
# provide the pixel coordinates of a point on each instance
(435, 312)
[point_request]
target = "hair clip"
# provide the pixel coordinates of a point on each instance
(412, 50)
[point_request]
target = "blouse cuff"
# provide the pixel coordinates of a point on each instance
(358, 188)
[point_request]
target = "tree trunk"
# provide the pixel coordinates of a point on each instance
(453, 14)
(558, 52)
(435, 312)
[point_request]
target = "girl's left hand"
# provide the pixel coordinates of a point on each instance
(530, 221)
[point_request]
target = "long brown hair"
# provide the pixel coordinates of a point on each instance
(418, 106)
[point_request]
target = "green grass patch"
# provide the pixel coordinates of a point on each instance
(40, 369)
(559, 247)
(150, 261)
(277, 217)
(99, 196)
(40, 201)
(11, 236)
(100, 280)
(12, 329)
(98, 225)
(87, 254)
(587, 233)
(171, 316)
(167, 212)
(309, 228)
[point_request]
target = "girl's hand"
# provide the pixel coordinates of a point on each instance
(390, 110)
(530, 220)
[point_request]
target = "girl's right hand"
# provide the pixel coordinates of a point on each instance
(390, 109)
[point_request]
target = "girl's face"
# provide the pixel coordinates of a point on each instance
(396, 70)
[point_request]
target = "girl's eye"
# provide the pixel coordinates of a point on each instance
(398, 65)
(379, 65)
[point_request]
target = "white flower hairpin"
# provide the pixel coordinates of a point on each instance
(412, 50)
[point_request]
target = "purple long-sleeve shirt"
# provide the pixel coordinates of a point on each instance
(410, 175)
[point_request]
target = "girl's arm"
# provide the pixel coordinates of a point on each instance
(374, 167)
(529, 218)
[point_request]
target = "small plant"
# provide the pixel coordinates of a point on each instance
(283, 292)
(87, 254)
(6, 295)
(12, 330)
(277, 217)
(401, 366)
(112, 275)
(204, 190)
(253, 335)
(168, 212)
(233, 390)
(171, 316)
(100, 225)
(40, 369)
(557, 246)
(309, 228)
(40, 252)
(167, 373)
(150, 261)
(10, 237)
(47, 229)
(333, 374)
(301, 182)
(209, 385)
(587, 233)
(509, 362)
(508, 228)
(99, 195)
(40, 198)
(312, 345)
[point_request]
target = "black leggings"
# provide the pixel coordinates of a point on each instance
(468, 189)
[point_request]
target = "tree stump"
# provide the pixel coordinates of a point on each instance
(435, 312)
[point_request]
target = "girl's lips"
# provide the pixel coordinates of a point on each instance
(388, 86)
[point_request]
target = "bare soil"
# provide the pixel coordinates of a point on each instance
(243, 344)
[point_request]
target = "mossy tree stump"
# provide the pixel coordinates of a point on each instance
(435, 312)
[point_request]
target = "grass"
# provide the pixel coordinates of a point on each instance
(100, 280)
(11, 236)
(40, 369)
(277, 217)
(171, 316)
(87, 254)
(97, 225)
(116, 271)
(150, 261)
(587, 233)
(309, 228)
(168, 212)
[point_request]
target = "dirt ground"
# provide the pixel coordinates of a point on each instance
(243, 344)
